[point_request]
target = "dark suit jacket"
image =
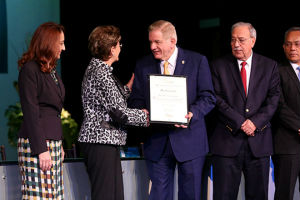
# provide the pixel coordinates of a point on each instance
(42, 102)
(287, 118)
(233, 107)
(186, 143)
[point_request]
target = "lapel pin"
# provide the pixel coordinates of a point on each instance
(182, 62)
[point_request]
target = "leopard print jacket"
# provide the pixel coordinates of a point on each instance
(105, 107)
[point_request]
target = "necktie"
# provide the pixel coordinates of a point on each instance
(244, 76)
(298, 68)
(166, 71)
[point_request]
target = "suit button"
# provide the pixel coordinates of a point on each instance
(247, 110)
(58, 115)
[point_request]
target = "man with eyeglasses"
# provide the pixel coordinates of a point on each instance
(247, 88)
(286, 125)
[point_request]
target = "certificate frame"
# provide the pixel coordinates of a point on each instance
(168, 99)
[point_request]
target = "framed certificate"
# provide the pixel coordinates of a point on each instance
(168, 99)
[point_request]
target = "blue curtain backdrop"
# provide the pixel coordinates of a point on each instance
(18, 21)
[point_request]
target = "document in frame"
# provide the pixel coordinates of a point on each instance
(168, 99)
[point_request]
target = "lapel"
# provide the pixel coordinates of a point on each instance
(235, 72)
(59, 89)
(119, 85)
(255, 71)
(157, 69)
(291, 73)
(152, 66)
(179, 62)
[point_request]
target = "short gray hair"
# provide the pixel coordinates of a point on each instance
(295, 28)
(250, 27)
(167, 28)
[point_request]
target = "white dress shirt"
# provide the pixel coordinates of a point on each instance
(294, 65)
(247, 68)
(172, 62)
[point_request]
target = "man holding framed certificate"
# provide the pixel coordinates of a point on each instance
(168, 99)
(175, 85)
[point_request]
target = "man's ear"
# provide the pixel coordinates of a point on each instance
(253, 40)
(173, 41)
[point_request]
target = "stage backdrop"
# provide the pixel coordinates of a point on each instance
(3, 38)
(19, 19)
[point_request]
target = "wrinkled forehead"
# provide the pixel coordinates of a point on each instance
(241, 31)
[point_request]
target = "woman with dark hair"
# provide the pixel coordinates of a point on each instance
(40, 150)
(105, 115)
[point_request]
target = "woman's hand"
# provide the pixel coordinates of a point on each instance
(63, 154)
(45, 161)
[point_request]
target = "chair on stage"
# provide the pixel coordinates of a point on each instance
(2, 152)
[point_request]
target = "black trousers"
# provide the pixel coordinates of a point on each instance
(103, 165)
(227, 172)
(286, 172)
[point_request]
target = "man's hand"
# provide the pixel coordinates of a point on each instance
(248, 127)
(130, 82)
(189, 117)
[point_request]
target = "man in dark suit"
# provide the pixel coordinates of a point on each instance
(179, 145)
(286, 157)
(247, 88)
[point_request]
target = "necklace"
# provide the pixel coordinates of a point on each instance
(52, 74)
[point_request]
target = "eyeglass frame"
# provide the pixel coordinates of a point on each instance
(239, 40)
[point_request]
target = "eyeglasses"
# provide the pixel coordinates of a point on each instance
(290, 44)
(239, 40)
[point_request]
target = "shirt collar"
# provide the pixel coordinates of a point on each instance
(248, 61)
(103, 64)
(294, 65)
(172, 60)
